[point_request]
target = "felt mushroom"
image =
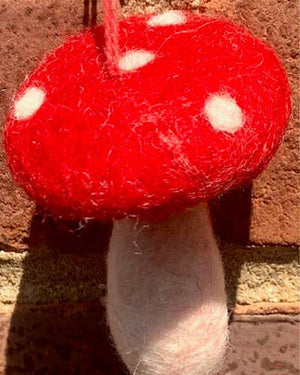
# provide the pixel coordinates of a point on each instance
(195, 107)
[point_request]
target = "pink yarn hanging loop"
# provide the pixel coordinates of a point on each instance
(111, 10)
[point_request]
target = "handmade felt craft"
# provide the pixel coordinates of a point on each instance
(186, 108)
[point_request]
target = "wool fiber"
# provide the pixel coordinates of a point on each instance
(29, 103)
(224, 114)
(171, 17)
(199, 106)
(135, 59)
(166, 302)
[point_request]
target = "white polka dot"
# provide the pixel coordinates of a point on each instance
(171, 17)
(133, 60)
(29, 103)
(224, 114)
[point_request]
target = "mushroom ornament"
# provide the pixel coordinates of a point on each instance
(187, 108)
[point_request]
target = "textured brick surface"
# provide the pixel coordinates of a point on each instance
(45, 276)
(30, 28)
(64, 340)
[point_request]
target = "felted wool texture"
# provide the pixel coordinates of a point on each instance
(166, 303)
(141, 143)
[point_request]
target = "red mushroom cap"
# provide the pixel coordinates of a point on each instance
(200, 106)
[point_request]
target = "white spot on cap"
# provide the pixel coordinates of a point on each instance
(171, 17)
(29, 103)
(224, 114)
(133, 60)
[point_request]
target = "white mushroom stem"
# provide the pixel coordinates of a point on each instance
(166, 298)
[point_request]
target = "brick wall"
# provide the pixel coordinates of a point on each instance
(52, 273)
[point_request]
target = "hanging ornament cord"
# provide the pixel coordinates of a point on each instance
(111, 10)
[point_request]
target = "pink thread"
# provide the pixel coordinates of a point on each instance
(111, 10)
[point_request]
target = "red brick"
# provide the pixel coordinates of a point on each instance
(74, 340)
